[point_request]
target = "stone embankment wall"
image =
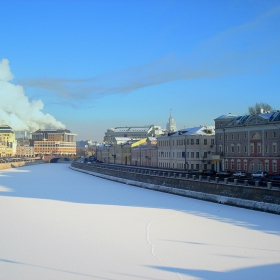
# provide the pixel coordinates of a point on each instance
(256, 198)
(8, 165)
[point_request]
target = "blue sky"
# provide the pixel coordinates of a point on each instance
(101, 64)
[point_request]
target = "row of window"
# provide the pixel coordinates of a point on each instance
(182, 154)
(181, 166)
(258, 149)
(163, 143)
(243, 165)
(56, 145)
(245, 135)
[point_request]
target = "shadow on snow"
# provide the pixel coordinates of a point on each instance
(59, 182)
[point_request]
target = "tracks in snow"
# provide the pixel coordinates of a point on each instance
(152, 247)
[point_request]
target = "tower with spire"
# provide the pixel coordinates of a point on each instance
(171, 125)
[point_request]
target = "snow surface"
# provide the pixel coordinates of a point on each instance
(57, 223)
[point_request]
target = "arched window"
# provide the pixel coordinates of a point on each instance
(256, 135)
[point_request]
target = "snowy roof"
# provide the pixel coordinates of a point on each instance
(264, 117)
(6, 129)
(122, 138)
(132, 128)
(228, 116)
(198, 130)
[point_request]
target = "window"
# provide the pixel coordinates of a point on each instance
(252, 166)
(226, 137)
(197, 141)
(274, 134)
(220, 149)
(245, 135)
(274, 147)
(274, 166)
(267, 149)
(192, 154)
(220, 137)
(238, 136)
(232, 149)
(259, 166)
(266, 135)
(192, 141)
(212, 141)
(259, 149)
(238, 165)
(232, 164)
(197, 166)
(226, 164)
(245, 164)
(226, 149)
(238, 148)
(232, 136)
(252, 148)
(205, 141)
(266, 165)
(245, 149)
(205, 155)
(197, 154)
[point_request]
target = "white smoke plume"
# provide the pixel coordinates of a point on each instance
(15, 108)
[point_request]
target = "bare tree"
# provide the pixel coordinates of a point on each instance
(258, 108)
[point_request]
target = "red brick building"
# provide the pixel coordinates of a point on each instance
(248, 143)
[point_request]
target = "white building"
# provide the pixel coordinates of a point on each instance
(133, 132)
(187, 149)
(171, 125)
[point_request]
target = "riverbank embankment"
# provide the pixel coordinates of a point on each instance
(16, 164)
(255, 198)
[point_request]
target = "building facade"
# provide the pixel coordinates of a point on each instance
(133, 132)
(145, 154)
(25, 151)
(8, 144)
(187, 149)
(248, 143)
(54, 141)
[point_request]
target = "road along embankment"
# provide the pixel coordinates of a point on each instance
(255, 198)
(15, 164)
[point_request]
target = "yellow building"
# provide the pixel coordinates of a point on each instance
(54, 141)
(8, 144)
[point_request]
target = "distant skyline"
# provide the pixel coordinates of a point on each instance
(92, 65)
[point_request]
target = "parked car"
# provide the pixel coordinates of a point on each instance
(273, 178)
(223, 173)
(239, 174)
(209, 172)
(262, 181)
(260, 174)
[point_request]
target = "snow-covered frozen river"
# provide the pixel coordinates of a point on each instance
(57, 223)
